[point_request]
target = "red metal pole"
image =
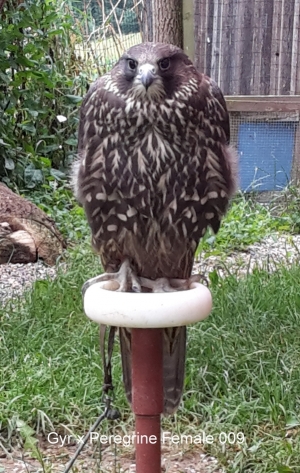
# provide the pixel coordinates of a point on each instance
(147, 397)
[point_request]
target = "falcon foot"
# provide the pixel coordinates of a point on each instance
(169, 285)
(125, 280)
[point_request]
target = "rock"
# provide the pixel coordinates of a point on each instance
(26, 232)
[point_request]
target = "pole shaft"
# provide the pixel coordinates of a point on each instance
(147, 445)
(147, 396)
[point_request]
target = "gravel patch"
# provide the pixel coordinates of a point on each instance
(174, 459)
(15, 278)
(270, 252)
(267, 254)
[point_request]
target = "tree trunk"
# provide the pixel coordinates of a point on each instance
(163, 22)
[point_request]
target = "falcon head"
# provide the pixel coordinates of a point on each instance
(152, 70)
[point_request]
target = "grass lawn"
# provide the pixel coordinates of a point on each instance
(243, 370)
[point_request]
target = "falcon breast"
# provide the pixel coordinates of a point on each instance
(155, 171)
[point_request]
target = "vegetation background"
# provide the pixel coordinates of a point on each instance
(50, 51)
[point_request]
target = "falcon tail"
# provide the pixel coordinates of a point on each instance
(174, 349)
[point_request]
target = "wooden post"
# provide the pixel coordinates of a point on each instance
(188, 29)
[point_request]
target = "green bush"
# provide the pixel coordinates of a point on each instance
(42, 83)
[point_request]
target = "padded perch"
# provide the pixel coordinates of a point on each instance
(104, 305)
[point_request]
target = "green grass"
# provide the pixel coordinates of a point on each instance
(249, 221)
(50, 365)
(243, 370)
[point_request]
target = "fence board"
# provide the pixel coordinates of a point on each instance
(216, 40)
(257, 44)
(295, 49)
(246, 35)
(286, 46)
(266, 48)
(200, 15)
(236, 48)
(263, 103)
(225, 44)
(249, 46)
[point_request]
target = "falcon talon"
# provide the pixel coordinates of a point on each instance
(97, 279)
(203, 280)
(169, 285)
(136, 288)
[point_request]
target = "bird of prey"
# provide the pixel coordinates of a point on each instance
(155, 171)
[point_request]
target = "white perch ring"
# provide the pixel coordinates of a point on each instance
(104, 305)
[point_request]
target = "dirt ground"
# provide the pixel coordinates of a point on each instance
(107, 459)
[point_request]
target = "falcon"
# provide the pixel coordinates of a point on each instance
(155, 171)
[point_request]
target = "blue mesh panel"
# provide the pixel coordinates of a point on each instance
(266, 155)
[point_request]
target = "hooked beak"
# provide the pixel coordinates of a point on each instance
(147, 74)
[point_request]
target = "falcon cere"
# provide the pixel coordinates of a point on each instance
(136, 438)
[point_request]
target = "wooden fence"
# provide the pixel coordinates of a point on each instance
(249, 46)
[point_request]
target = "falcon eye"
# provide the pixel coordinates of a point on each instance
(164, 64)
(132, 64)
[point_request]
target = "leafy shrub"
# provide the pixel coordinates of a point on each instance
(42, 83)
